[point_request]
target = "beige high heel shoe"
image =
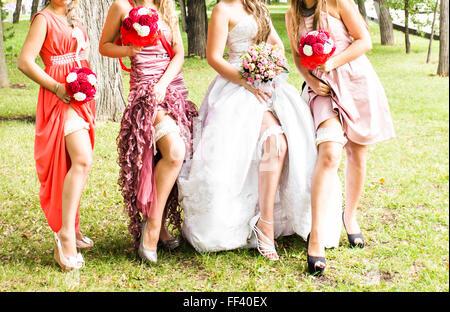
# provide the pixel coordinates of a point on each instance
(66, 263)
(84, 243)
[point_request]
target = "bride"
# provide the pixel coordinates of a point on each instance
(249, 178)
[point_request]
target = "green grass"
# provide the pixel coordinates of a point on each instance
(404, 208)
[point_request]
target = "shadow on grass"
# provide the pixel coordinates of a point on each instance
(27, 119)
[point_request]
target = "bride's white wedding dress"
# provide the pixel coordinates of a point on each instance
(218, 187)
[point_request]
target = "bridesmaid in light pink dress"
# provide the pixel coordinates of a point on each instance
(349, 109)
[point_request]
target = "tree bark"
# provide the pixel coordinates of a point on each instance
(34, 8)
(197, 27)
(407, 42)
(111, 102)
(385, 22)
(362, 10)
(432, 32)
(183, 14)
(16, 16)
(444, 39)
(3, 70)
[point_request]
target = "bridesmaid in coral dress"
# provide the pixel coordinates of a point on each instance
(64, 133)
(349, 109)
(155, 134)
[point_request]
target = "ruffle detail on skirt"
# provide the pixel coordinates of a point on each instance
(138, 154)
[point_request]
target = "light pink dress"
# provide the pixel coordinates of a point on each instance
(357, 95)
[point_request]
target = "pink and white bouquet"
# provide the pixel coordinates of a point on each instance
(140, 27)
(81, 84)
(315, 48)
(262, 63)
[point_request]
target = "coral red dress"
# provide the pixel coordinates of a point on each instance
(52, 159)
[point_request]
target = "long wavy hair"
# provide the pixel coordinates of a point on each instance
(262, 16)
(73, 13)
(167, 10)
(298, 19)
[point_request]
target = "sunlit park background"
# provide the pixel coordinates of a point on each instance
(404, 211)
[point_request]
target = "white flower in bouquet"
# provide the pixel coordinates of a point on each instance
(71, 77)
(80, 97)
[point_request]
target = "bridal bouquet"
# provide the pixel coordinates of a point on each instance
(316, 47)
(140, 27)
(262, 63)
(81, 85)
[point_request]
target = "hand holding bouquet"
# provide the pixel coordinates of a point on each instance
(316, 47)
(81, 85)
(262, 63)
(140, 27)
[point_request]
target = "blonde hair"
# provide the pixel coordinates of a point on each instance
(73, 13)
(262, 16)
(297, 17)
(167, 10)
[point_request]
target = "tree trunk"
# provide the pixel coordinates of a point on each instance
(183, 15)
(111, 101)
(34, 8)
(444, 40)
(16, 16)
(432, 32)
(197, 27)
(385, 22)
(362, 10)
(3, 70)
(407, 43)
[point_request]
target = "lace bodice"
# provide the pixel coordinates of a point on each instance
(241, 37)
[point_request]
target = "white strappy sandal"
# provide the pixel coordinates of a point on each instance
(265, 249)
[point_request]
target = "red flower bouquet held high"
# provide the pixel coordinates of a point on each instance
(140, 27)
(81, 85)
(316, 47)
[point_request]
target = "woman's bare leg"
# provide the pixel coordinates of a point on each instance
(172, 149)
(78, 145)
(269, 173)
(324, 175)
(355, 173)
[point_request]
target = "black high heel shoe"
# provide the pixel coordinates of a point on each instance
(353, 237)
(312, 261)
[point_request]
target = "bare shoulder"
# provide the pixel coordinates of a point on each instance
(338, 5)
(222, 9)
(120, 6)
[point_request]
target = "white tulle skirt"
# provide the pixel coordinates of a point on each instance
(218, 187)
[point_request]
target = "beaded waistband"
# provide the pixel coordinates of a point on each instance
(67, 58)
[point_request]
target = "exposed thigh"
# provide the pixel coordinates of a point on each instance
(78, 145)
(268, 121)
(171, 144)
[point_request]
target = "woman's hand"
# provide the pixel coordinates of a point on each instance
(328, 66)
(318, 86)
(61, 93)
(159, 90)
(133, 50)
(263, 97)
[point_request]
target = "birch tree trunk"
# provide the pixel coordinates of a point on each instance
(444, 39)
(34, 8)
(111, 102)
(3, 70)
(432, 32)
(362, 10)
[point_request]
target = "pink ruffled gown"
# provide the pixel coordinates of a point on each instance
(138, 153)
(357, 95)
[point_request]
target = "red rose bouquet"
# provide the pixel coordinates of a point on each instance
(140, 27)
(81, 85)
(316, 47)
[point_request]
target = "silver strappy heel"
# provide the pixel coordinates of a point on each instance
(265, 249)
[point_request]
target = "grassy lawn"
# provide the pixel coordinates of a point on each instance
(404, 209)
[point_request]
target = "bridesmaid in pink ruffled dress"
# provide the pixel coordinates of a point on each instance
(156, 127)
(349, 109)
